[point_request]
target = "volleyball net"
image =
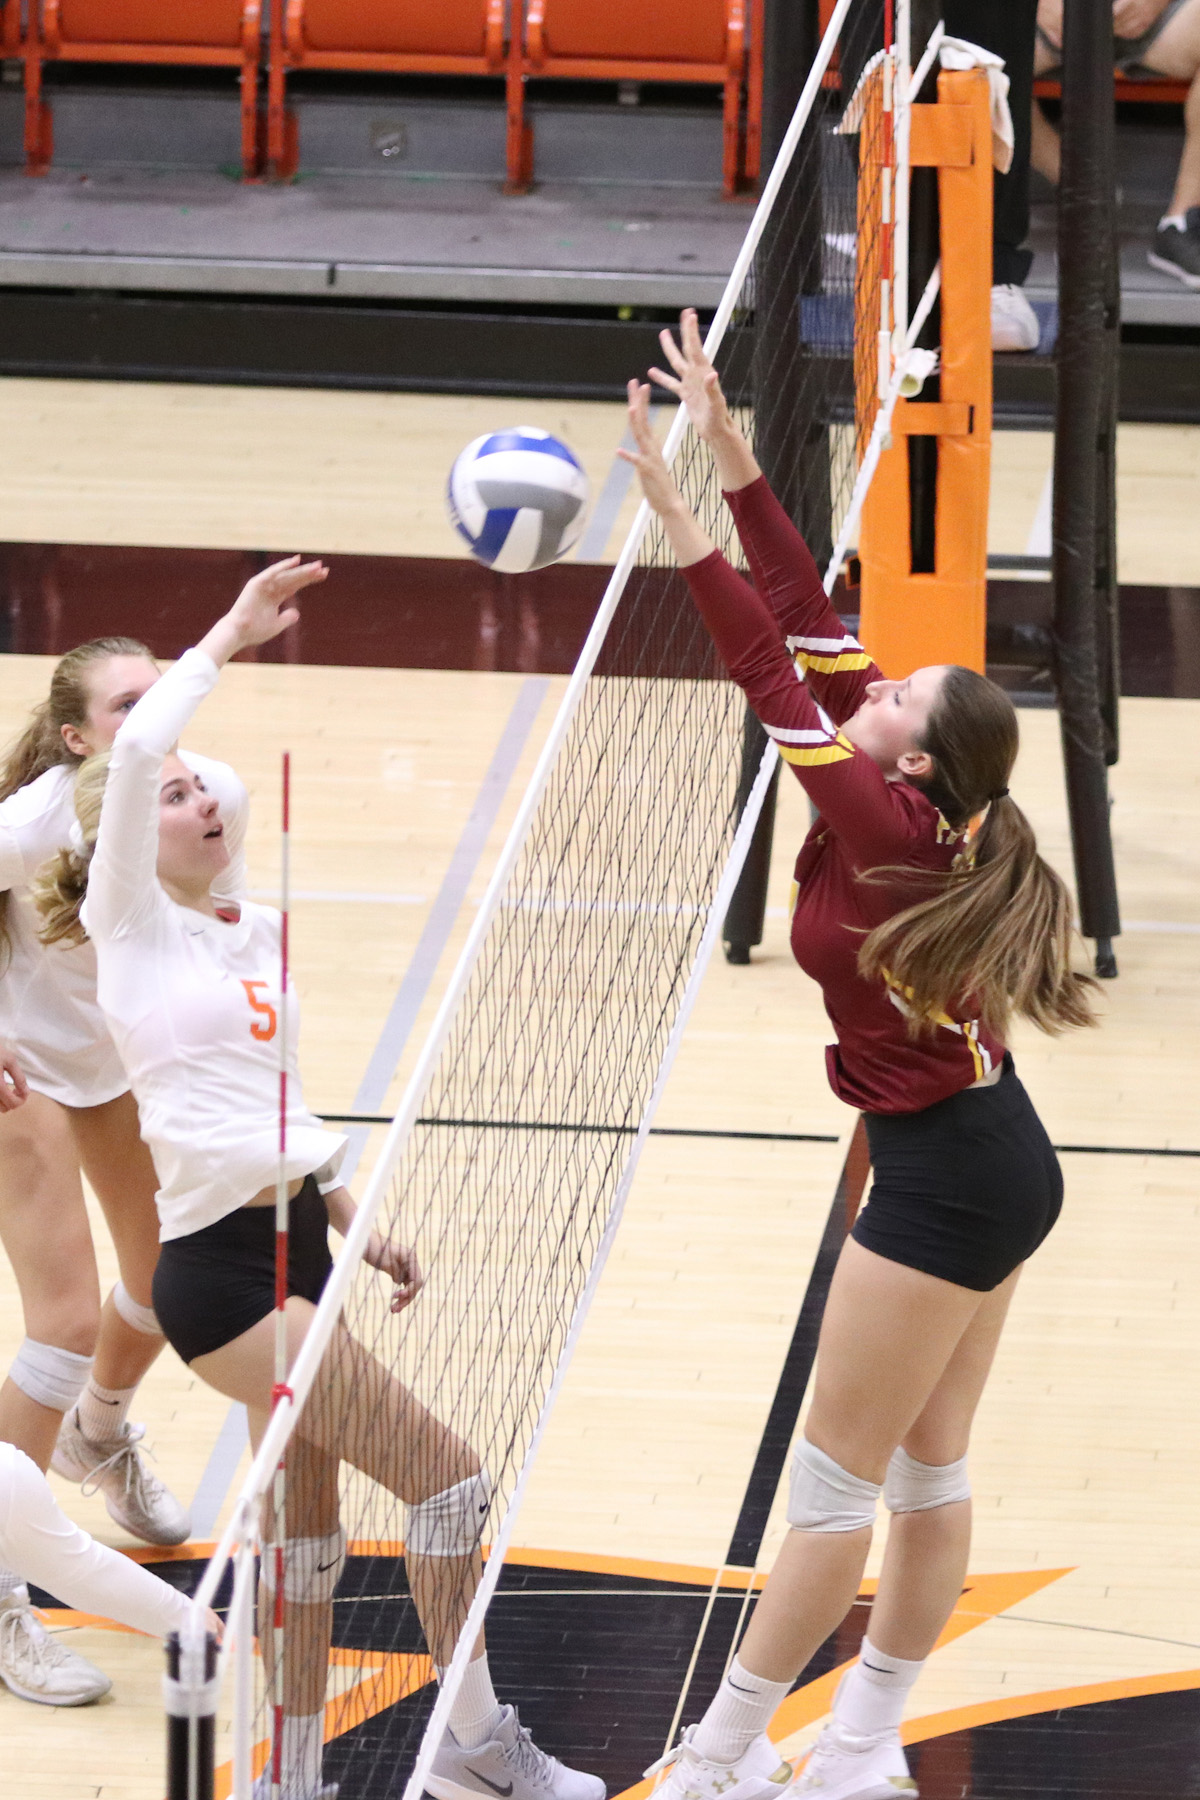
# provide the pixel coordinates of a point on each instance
(515, 1143)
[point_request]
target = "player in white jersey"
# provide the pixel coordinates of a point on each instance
(37, 1537)
(66, 1102)
(190, 989)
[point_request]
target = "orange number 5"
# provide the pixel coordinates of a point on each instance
(264, 1027)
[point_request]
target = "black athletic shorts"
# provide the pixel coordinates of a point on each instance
(964, 1190)
(214, 1284)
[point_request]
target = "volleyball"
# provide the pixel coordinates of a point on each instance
(518, 498)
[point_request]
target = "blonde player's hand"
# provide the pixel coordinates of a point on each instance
(695, 381)
(13, 1090)
(400, 1264)
(262, 610)
(264, 607)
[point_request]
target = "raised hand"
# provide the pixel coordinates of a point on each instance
(695, 381)
(686, 537)
(658, 484)
(263, 608)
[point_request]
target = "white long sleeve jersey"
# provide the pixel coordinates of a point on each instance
(48, 1005)
(192, 1002)
(43, 1546)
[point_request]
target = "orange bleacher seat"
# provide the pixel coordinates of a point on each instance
(10, 28)
(1155, 88)
(213, 33)
(403, 37)
(629, 40)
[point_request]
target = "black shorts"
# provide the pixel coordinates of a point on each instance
(216, 1283)
(964, 1190)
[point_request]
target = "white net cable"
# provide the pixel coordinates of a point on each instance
(515, 1142)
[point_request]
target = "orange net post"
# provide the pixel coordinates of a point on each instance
(908, 620)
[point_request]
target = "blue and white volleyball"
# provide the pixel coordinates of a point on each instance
(518, 498)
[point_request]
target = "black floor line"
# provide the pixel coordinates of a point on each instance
(754, 1137)
(780, 1427)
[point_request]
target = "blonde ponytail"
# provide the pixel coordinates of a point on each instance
(60, 886)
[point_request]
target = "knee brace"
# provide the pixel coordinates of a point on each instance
(450, 1523)
(312, 1567)
(138, 1318)
(912, 1486)
(826, 1497)
(53, 1377)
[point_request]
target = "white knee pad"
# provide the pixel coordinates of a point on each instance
(53, 1377)
(138, 1318)
(312, 1567)
(450, 1523)
(912, 1486)
(826, 1497)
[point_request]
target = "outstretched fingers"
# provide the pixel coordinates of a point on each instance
(639, 417)
(290, 576)
(689, 335)
(672, 352)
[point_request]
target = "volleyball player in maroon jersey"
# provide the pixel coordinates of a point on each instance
(926, 937)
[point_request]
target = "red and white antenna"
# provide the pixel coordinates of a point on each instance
(281, 1392)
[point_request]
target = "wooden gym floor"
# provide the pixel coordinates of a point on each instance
(1072, 1665)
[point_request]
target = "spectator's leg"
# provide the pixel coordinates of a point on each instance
(1010, 31)
(1175, 52)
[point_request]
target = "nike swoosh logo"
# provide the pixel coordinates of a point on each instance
(504, 1792)
(324, 1568)
(740, 1690)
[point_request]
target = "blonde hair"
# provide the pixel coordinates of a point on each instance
(996, 935)
(60, 886)
(41, 745)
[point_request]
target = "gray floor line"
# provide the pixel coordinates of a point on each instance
(226, 1453)
(232, 1439)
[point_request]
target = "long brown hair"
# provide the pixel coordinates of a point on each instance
(997, 934)
(41, 745)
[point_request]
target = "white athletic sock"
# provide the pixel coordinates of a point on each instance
(740, 1711)
(872, 1695)
(476, 1712)
(303, 1742)
(1178, 220)
(103, 1411)
(9, 1579)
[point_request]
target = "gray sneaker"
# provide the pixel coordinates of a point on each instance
(1177, 252)
(262, 1790)
(37, 1666)
(136, 1500)
(509, 1767)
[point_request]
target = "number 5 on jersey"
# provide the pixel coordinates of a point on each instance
(265, 1025)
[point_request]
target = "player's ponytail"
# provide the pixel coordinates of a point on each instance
(996, 937)
(41, 745)
(60, 886)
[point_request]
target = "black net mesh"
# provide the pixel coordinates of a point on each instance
(511, 1175)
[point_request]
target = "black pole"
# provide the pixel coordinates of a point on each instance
(1083, 631)
(190, 1692)
(924, 252)
(791, 438)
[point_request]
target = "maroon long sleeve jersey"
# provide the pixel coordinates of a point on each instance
(804, 676)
